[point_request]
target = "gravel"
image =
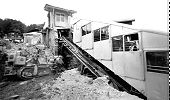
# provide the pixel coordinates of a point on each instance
(69, 85)
(73, 86)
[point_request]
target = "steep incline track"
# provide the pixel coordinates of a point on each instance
(98, 69)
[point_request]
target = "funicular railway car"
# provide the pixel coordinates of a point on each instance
(140, 57)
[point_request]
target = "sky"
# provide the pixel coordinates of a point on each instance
(148, 14)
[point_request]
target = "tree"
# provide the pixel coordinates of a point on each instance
(31, 27)
(14, 26)
(9, 25)
(18, 27)
(34, 27)
(1, 32)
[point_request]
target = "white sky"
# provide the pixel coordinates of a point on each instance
(149, 14)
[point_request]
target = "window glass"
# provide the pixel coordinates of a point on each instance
(117, 43)
(157, 62)
(96, 35)
(62, 17)
(131, 42)
(84, 30)
(157, 58)
(58, 17)
(105, 33)
(88, 28)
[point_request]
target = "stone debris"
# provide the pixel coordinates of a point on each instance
(30, 51)
(13, 97)
(24, 82)
(73, 86)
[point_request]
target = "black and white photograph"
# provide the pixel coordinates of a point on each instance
(84, 49)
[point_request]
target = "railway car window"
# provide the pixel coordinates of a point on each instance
(88, 28)
(131, 42)
(105, 33)
(157, 58)
(84, 28)
(157, 62)
(96, 35)
(117, 43)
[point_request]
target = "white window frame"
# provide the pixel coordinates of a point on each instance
(59, 17)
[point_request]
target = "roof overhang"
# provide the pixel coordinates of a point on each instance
(126, 21)
(51, 8)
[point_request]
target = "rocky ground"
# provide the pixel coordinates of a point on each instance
(14, 88)
(69, 85)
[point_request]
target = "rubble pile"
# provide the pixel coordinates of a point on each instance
(70, 85)
(73, 86)
(29, 51)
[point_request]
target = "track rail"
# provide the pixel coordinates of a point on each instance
(98, 69)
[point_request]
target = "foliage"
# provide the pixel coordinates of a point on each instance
(34, 27)
(9, 25)
(1, 28)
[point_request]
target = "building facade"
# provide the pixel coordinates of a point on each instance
(58, 19)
